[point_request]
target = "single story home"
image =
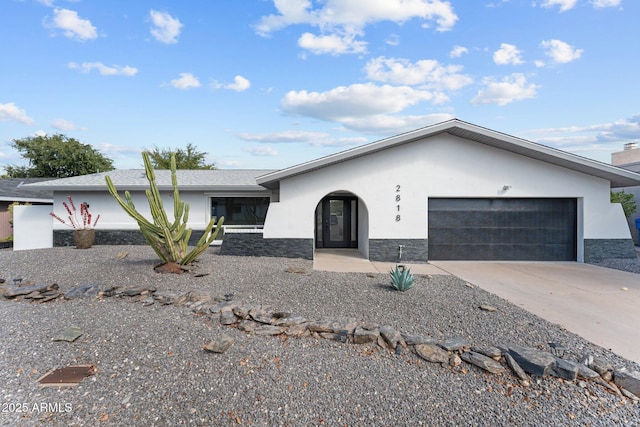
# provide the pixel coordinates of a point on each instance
(450, 191)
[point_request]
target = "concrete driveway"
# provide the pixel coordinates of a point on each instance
(600, 304)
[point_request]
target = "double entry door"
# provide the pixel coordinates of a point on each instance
(337, 222)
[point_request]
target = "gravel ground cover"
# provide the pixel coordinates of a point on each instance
(152, 370)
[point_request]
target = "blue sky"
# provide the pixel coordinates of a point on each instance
(270, 84)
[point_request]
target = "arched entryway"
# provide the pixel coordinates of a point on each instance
(336, 221)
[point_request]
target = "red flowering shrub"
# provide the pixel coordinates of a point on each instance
(82, 223)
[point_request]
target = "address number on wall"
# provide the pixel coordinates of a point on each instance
(398, 198)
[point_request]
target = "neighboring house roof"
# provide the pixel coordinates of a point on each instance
(17, 190)
(617, 176)
(634, 167)
(135, 179)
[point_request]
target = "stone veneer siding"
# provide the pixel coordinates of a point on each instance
(114, 237)
(596, 250)
(386, 250)
(253, 244)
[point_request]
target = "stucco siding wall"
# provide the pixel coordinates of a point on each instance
(443, 166)
(113, 217)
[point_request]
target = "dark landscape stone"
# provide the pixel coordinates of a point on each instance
(14, 291)
(533, 361)
(220, 344)
(412, 339)
(483, 362)
(515, 367)
(363, 336)
(90, 290)
(455, 344)
(564, 369)
(629, 380)
(227, 317)
(392, 337)
(432, 353)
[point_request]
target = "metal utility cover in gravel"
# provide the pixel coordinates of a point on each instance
(66, 377)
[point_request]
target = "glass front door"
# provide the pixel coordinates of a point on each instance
(336, 223)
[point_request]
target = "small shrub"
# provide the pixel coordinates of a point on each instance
(401, 278)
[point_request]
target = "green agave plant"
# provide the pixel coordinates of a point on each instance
(401, 278)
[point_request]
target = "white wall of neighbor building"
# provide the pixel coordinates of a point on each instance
(440, 166)
(32, 228)
(114, 217)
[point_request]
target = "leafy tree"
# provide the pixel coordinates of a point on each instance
(626, 200)
(189, 158)
(57, 156)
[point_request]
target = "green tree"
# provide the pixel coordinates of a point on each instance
(626, 200)
(189, 158)
(57, 156)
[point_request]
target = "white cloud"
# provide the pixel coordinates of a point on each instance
(332, 44)
(64, 125)
(339, 142)
(458, 51)
(11, 112)
(353, 13)
(114, 70)
(511, 88)
(393, 40)
(185, 81)
(262, 151)
(284, 137)
(358, 100)
(341, 20)
(72, 25)
(385, 124)
(315, 139)
(166, 28)
(601, 137)
(560, 52)
(240, 84)
(507, 54)
(598, 4)
(564, 4)
(427, 72)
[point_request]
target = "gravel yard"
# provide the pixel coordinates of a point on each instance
(152, 370)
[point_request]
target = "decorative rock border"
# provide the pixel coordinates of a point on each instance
(260, 320)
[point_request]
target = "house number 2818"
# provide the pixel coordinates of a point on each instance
(398, 198)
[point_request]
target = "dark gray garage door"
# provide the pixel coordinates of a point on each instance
(502, 229)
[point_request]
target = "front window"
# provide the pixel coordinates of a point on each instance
(240, 210)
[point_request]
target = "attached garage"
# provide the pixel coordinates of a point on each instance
(502, 229)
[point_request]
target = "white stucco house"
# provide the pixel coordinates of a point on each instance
(452, 190)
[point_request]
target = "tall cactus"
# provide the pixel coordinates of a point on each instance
(169, 240)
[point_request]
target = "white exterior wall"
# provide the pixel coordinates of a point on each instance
(113, 217)
(442, 166)
(32, 227)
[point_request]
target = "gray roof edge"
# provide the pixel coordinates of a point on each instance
(181, 188)
(120, 177)
(25, 199)
(619, 177)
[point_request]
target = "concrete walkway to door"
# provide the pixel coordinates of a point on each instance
(600, 304)
(351, 261)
